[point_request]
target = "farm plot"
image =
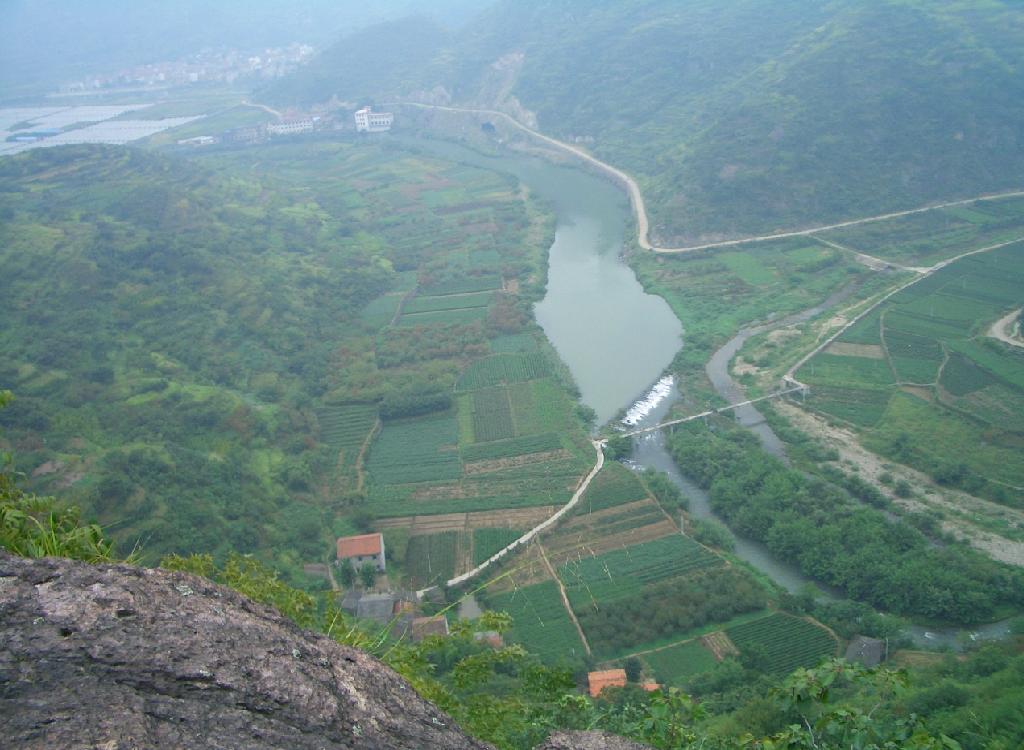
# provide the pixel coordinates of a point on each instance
(676, 664)
(615, 485)
(487, 542)
(926, 238)
(860, 406)
(430, 559)
(500, 369)
(449, 302)
(540, 620)
(459, 316)
(617, 574)
(521, 446)
(464, 285)
(420, 450)
(935, 331)
(492, 415)
(785, 642)
(346, 428)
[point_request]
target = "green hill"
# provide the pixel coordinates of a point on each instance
(739, 119)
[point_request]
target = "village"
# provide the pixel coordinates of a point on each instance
(365, 120)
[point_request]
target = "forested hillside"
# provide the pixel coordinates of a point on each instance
(200, 354)
(734, 119)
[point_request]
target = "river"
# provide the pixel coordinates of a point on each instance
(617, 340)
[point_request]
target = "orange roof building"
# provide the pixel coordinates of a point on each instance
(651, 687)
(607, 678)
(362, 549)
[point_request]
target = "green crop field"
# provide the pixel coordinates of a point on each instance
(926, 238)
(449, 302)
(492, 415)
(514, 447)
(617, 574)
(419, 450)
(500, 369)
(443, 317)
(514, 343)
(631, 519)
(615, 485)
(540, 406)
(934, 334)
(481, 283)
(540, 620)
(487, 542)
(346, 428)
(430, 559)
(784, 642)
(676, 664)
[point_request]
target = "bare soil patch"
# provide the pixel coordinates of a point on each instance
(719, 644)
(964, 515)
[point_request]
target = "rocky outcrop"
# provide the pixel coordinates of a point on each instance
(120, 657)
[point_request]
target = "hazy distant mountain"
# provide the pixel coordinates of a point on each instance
(737, 117)
(45, 42)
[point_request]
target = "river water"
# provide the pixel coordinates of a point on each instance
(617, 340)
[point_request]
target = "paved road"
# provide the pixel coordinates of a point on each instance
(640, 209)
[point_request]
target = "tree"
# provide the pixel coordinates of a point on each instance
(368, 574)
(347, 573)
(633, 669)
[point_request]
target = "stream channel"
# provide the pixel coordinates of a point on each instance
(617, 340)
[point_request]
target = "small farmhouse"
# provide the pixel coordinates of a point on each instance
(607, 678)
(361, 549)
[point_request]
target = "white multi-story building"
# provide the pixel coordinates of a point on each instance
(368, 121)
(293, 127)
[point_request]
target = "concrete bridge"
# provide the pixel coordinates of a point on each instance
(799, 388)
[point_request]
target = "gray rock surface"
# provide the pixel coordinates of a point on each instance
(119, 657)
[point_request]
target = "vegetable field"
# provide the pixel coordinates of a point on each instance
(514, 447)
(420, 450)
(346, 428)
(676, 664)
(499, 369)
(932, 340)
(617, 574)
(487, 542)
(784, 642)
(431, 558)
(540, 620)
(492, 415)
(615, 485)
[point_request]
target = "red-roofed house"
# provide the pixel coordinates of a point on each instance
(608, 678)
(362, 549)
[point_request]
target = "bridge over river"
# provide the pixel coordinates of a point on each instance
(672, 422)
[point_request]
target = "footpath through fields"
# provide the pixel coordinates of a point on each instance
(636, 197)
(532, 533)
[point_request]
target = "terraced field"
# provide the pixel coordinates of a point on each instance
(784, 642)
(617, 574)
(926, 386)
(541, 622)
(676, 664)
(431, 559)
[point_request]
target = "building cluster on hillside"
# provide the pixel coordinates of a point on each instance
(292, 124)
(214, 65)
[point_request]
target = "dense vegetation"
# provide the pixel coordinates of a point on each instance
(668, 608)
(216, 345)
(839, 541)
(506, 697)
(735, 119)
